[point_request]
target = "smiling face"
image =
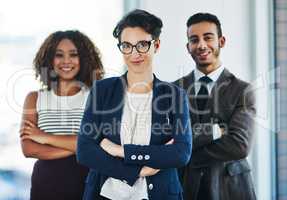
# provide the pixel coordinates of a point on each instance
(138, 63)
(66, 61)
(204, 45)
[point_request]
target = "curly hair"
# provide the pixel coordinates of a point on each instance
(91, 66)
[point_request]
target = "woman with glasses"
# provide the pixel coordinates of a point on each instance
(66, 63)
(135, 131)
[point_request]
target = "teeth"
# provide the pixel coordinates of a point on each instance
(203, 54)
(66, 69)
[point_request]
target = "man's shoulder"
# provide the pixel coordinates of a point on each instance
(170, 87)
(238, 82)
(183, 80)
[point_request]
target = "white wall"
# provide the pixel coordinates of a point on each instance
(173, 58)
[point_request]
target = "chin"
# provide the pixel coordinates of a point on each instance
(67, 77)
(203, 65)
(137, 69)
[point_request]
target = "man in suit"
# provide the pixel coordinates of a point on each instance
(221, 109)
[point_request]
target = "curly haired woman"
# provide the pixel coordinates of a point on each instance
(66, 63)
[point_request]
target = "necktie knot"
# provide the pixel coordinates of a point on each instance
(205, 79)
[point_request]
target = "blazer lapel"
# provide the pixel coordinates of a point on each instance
(217, 91)
(158, 105)
(188, 85)
(118, 99)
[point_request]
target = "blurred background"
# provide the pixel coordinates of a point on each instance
(255, 51)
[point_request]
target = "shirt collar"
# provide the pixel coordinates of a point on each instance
(214, 75)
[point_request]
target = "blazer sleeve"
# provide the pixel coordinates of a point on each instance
(166, 156)
(204, 135)
(234, 145)
(89, 152)
(201, 139)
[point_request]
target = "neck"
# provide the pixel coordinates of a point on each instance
(139, 82)
(209, 68)
(67, 88)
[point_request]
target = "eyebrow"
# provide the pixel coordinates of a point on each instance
(137, 41)
(208, 34)
(60, 50)
(205, 34)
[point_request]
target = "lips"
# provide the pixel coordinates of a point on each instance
(66, 68)
(203, 55)
(137, 62)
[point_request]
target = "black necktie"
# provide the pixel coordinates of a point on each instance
(202, 95)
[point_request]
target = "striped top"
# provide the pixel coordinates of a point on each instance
(60, 115)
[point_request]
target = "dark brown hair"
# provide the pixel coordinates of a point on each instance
(91, 67)
(139, 18)
(205, 17)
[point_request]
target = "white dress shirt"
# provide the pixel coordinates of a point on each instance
(213, 76)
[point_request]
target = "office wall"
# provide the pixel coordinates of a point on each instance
(173, 58)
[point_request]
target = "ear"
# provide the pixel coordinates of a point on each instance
(156, 45)
(187, 47)
(221, 41)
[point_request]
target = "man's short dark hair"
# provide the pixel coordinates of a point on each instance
(139, 18)
(205, 17)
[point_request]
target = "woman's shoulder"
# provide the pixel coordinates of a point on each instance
(31, 99)
(32, 96)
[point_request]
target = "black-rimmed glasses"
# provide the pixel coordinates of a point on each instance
(141, 46)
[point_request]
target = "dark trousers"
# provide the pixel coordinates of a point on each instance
(59, 179)
(204, 192)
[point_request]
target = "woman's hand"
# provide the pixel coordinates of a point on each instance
(170, 142)
(30, 131)
(112, 148)
(148, 171)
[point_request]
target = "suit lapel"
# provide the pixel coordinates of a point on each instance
(217, 92)
(188, 85)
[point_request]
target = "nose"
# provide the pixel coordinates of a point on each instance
(66, 59)
(135, 52)
(202, 45)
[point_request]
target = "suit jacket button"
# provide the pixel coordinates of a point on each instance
(146, 157)
(150, 186)
(133, 157)
(140, 157)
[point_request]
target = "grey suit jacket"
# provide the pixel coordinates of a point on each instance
(222, 161)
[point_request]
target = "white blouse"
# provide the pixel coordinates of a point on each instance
(135, 129)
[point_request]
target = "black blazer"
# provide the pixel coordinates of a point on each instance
(222, 162)
(102, 119)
